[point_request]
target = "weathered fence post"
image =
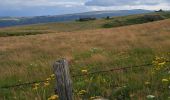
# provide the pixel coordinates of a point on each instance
(63, 80)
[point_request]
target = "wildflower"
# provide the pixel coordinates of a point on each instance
(150, 97)
(93, 50)
(52, 75)
(46, 83)
(37, 84)
(161, 63)
(48, 79)
(53, 97)
(35, 87)
(92, 98)
(165, 80)
(82, 92)
(97, 98)
(84, 71)
(147, 83)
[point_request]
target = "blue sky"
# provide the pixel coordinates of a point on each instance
(58, 7)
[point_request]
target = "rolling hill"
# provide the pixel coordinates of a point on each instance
(83, 25)
(13, 21)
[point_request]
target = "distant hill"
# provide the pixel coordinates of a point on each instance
(13, 21)
(73, 26)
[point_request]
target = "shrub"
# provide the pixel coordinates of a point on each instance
(152, 17)
(131, 21)
(86, 19)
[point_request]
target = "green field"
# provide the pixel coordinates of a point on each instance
(92, 47)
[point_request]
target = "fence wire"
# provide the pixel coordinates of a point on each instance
(79, 75)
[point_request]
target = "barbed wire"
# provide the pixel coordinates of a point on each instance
(80, 75)
(115, 69)
(111, 70)
(23, 84)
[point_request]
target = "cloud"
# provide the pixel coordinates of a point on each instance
(40, 7)
(57, 7)
(124, 2)
(40, 11)
(33, 3)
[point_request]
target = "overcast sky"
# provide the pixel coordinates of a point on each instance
(58, 7)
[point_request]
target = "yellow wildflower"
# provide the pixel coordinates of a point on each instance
(52, 76)
(159, 63)
(84, 71)
(162, 63)
(48, 79)
(82, 92)
(37, 84)
(165, 80)
(35, 88)
(46, 83)
(53, 97)
(92, 98)
(147, 83)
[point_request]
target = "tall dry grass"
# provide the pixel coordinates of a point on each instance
(30, 58)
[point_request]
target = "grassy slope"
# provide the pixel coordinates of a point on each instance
(27, 58)
(75, 26)
(51, 28)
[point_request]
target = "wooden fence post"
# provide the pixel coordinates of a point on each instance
(63, 80)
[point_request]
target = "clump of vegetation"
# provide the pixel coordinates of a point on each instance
(20, 33)
(159, 10)
(114, 23)
(86, 19)
(108, 17)
(145, 19)
(133, 20)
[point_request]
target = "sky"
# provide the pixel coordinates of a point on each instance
(59, 7)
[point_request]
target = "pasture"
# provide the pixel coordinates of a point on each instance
(30, 58)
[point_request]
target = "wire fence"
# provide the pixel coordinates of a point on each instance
(80, 75)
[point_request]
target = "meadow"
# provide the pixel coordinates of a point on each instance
(89, 48)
